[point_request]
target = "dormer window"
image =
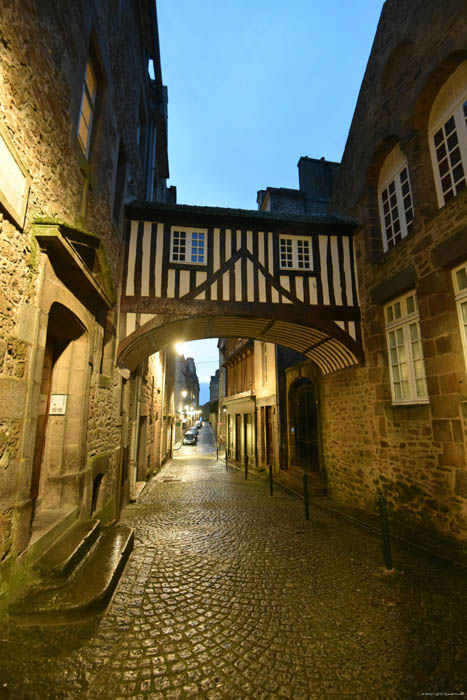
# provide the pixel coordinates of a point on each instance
(395, 199)
(447, 133)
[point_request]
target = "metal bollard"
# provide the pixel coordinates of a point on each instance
(246, 466)
(217, 452)
(385, 532)
(306, 496)
(226, 456)
(270, 480)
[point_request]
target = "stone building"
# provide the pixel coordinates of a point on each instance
(82, 130)
(186, 395)
(399, 423)
(251, 405)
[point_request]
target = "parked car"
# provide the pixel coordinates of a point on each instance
(190, 438)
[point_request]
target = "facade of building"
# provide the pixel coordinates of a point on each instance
(186, 395)
(399, 423)
(82, 131)
(249, 409)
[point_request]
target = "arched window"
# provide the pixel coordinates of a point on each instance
(447, 134)
(395, 199)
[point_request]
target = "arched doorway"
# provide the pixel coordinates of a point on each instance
(58, 439)
(304, 415)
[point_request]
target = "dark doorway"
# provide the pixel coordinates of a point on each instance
(63, 329)
(305, 426)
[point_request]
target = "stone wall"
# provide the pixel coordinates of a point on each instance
(44, 47)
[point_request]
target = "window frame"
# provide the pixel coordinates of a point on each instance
(295, 242)
(405, 225)
(460, 296)
(92, 101)
(458, 114)
(190, 249)
(400, 317)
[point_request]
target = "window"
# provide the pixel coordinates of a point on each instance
(88, 108)
(406, 364)
(448, 136)
(459, 276)
(295, 253)
(189, 245)
(395, 199)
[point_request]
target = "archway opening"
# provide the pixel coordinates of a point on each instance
(59, 421)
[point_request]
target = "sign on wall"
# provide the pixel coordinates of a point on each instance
(14, 181)
(57, 404)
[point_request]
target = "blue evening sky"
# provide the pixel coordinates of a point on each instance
(253, 85)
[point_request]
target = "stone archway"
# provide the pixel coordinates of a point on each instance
(59, 439)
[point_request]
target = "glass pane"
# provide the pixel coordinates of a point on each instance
(90, 81)
(405, 390)
(413, 331)
(403, 370)
(400, 336)
(83, 133)
(461, 278)
(438, 137)
(418, 369)
(397, 310)
(464, 311)
(449, 126)
(421, 388)
(389, 314)
(440, 152)
(86, 108)
(397, 391)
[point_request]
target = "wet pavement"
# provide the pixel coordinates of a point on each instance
(230, 593)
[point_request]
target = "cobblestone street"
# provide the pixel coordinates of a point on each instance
(230, 593)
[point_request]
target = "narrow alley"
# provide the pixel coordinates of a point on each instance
(230, 593)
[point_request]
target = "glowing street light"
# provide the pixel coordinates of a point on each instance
(180, 348)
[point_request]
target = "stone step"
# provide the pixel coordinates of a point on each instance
(62, 558)
(87, 591)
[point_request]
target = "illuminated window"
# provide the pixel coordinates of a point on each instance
(459, 276)
(88, 108)
(395, 199)
(188, 246)
(447, 133)
(406, 363)
(295, 253)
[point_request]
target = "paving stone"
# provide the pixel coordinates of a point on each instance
(230, 593)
